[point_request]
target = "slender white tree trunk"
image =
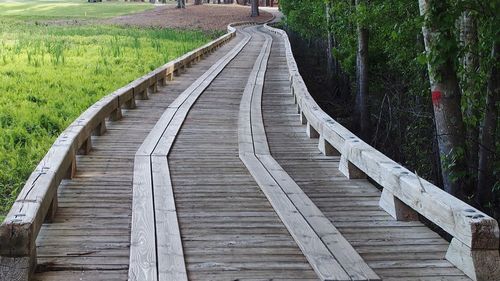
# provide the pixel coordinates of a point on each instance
(361, 110)
(450, 127)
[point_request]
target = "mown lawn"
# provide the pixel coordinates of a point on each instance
(69, 8)
(49, 74)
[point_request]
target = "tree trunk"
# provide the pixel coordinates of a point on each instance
(446, 102)
(361, 107)
(329, 47)
(181, 3)
(255, 8)
(469, 40)
(486, 178)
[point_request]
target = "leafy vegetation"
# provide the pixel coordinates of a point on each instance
(50, 74)
(400, 105)
(69, 8)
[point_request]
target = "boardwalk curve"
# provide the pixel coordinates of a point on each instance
(220, 166)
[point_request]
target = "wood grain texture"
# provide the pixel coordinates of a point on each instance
(395, 250)
(330, 255)
(160, 222)
(89, 238)
(197, 212)
(228, 228)
(462, 221)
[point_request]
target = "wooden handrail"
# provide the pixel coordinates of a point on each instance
(163, 258)
(475, 245)
(37, 201)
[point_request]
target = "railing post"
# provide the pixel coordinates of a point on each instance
(17, 252)
(51, 213)
(303, 119)
(153, 85)
(345, 166)
(142, 95)
(478, 264)
(350, 170)
(326, 148)
(396, 208)
(116, 114)
(311, 132)
(70, 173)
(86, 146)
(130, 104)
(100, 129)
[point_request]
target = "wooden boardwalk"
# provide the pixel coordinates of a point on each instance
(90, 236)
(395, 250)
(220, 175)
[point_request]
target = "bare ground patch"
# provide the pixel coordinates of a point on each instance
(206, 17)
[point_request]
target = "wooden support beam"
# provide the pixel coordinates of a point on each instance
(478, 264)
(51, 213)
(396, 208)
(350, 170)
(100, 129)
(86, 146)
(19, 268)
(141, 95)
(326, 148)
(311, 131)
(303, 119)
(130, 104)
(153, 88)
(116, 114)
(70, 173)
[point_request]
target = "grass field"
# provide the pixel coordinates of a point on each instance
(49, 74)
(69, 8)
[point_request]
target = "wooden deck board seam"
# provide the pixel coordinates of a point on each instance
(171, 122)
(251, 112)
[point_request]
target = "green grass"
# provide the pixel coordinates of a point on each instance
(69, 8)
(50, 74)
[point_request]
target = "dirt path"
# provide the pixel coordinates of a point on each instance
(206, 17)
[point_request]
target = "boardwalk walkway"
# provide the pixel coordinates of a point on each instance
(215, 177)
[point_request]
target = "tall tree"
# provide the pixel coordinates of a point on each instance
(181, 4)
(361, 106)
(470, 90)
(438, 32)
(486, 178)
(255, 8)
(329, 45)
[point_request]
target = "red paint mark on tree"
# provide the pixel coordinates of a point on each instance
(436, 97)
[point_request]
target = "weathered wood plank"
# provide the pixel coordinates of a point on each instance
(169, 246)
(473, 228)
(143, 256)
(319, 256)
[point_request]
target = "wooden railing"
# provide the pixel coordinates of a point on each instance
(474, 248)
(162, 258)
(37, 201)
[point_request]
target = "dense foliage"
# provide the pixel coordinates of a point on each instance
(49, 74)
(400, 102)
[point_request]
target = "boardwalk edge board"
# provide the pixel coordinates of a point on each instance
(37, 201)
(156, 251)
(307, 225)
(475, 245)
